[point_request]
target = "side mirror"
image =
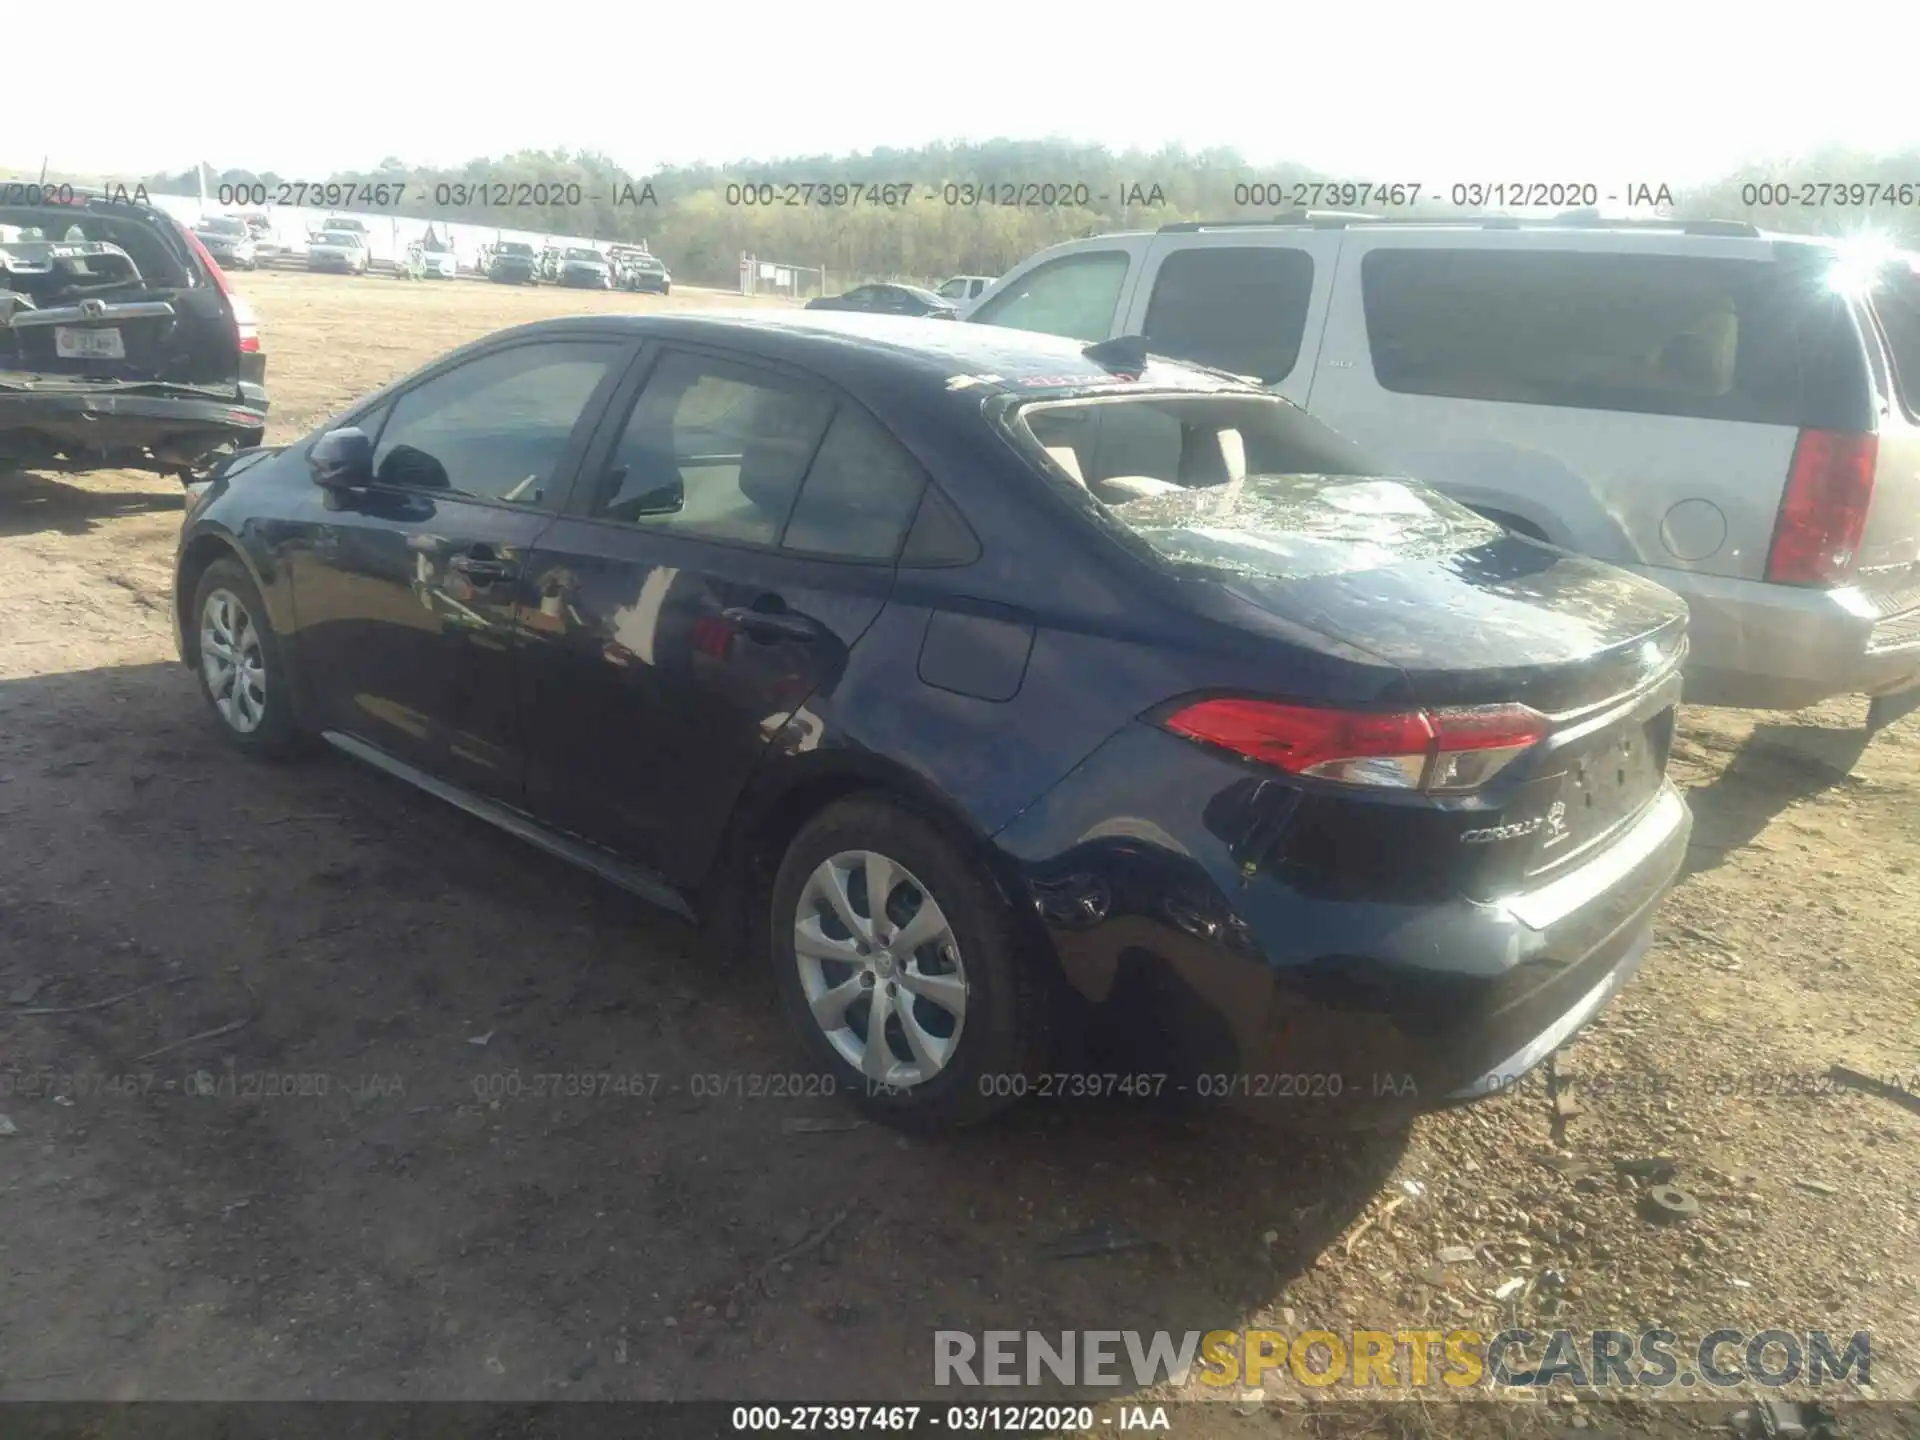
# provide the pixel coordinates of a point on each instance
(667, 498)
(342, 459)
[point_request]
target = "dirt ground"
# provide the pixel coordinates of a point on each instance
(303, 1156)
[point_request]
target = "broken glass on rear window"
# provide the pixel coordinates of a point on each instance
(1240, 484)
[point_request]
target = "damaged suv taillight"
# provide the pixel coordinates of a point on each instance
(246, 326)
(1438, 751)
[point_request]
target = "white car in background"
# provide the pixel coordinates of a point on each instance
(342, 250)
(438, 264)
(962, 288)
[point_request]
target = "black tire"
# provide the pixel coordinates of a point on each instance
(1006, 1032)
(275, 735)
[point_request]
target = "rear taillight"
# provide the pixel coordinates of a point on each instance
(1440, 751)
(246, 327)
(1823, 514)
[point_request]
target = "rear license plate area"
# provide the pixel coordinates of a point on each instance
(71, 342)
(1607, 781)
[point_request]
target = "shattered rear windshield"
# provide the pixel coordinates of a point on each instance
(1240, 484)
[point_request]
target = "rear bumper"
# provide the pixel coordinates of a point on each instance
(1309, 1009)
(1779, 647)
(95, 429)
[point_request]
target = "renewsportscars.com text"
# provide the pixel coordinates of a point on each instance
(1401, 1359)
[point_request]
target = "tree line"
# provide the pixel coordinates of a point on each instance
(979, 208)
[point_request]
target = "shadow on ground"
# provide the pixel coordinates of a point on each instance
(421, 1112)
(1779, 765)
(32, 502)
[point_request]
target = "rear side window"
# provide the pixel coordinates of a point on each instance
(1764, 341)
(859, 495)
(1241, 309)
(1075, 296)
(1897, 302)
(715, 450)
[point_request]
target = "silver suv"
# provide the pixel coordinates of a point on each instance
(1732, 414)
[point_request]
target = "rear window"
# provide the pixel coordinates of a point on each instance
(1239, 485)
(1896, 300)
(159, 257)
(1243, 309)
(1768, 341)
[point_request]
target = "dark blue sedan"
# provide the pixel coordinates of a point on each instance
(993, 687)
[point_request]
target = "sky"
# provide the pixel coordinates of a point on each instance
(1656, 93)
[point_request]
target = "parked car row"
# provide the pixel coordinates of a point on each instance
(619, 267)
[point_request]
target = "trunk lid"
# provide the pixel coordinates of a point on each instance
(1470, 613)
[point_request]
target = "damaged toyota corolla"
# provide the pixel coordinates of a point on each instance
(978, 682)
(121, 342)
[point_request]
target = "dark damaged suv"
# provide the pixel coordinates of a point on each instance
(121, 342)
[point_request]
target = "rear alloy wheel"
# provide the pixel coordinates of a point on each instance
(897, 961)
(892, 1001)
(238, 662)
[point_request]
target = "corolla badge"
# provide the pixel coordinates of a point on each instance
(1503, 832)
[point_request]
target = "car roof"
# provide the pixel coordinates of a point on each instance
(860, 351)
(1625, 229)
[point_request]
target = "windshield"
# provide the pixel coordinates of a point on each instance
(579, 254)
(515, 249)
(956, 289)
(1240, 484)
(339, 237)
(218, 226)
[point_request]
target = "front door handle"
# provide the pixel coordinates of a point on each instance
(483, 570)
(771, 625)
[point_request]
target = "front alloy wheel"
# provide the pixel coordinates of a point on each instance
(232, 662)
(880, 968)
(236, 658)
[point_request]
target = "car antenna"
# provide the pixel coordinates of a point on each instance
(1123, 352)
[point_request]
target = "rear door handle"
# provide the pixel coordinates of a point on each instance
(771, 625)
(483, 570)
